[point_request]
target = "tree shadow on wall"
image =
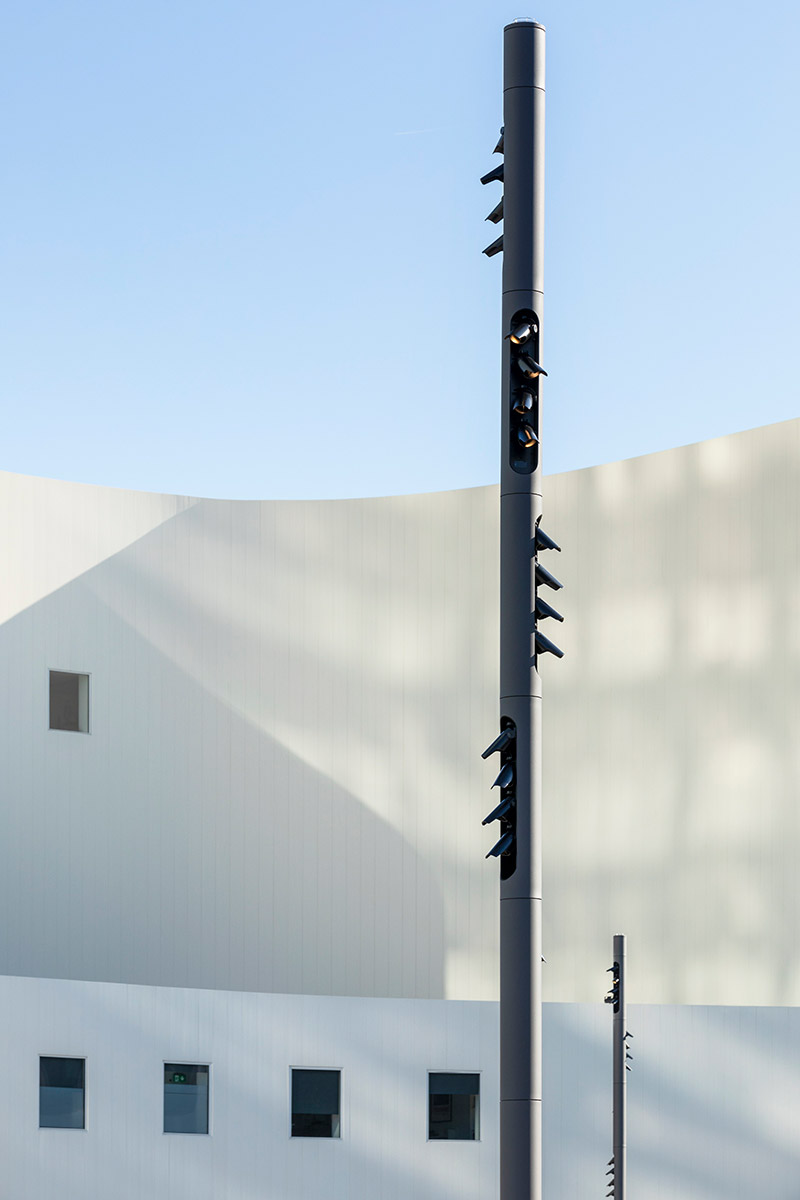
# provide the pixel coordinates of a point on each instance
(671, 768)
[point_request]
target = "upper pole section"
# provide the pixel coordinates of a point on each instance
(523, 183)
(523, 255)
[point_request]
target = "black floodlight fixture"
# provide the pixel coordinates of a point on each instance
(503, 846)
(506, 811)
(529, 368)
(520, 333)
(501, 741)
(543, 609)
(495, 247)
(506, 776)
(544, 541)
(493, 176)
(500, 141)
(545, 646)
(496, 214)
(498, 812)
(523, 403)
(613, 995)
(545, 576)
(526, 437)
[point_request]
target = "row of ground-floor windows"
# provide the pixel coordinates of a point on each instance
(453, 1100)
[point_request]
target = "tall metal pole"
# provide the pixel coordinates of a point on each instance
(521, 643)
(520, 684)
(616, 997)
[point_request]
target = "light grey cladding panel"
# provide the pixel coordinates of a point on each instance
(281, 788)
(713, 1101)
(52, 531)
(127, 1033)
(713, 1096)
(672, 771)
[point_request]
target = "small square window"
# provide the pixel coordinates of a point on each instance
(69, 701)
(316, 1099)
(62, 1093)
(185, 1098)
(453, 1107)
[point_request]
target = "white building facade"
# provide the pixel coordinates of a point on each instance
(258, 848)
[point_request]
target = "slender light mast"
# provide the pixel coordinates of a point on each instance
(522, 644)
(618, 1163)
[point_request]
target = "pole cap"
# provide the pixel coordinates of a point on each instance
(523, 58)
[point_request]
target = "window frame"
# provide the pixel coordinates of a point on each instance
(185, 1062)
(316, 1067)
(450, 1071)
(66, 1128)
(87, 675)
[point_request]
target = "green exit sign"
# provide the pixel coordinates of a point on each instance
(176, 1078)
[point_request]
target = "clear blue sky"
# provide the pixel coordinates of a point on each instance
(241, 245)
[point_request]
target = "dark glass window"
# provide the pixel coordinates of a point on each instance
(453, 1106)
(185, 1098)
(69, 701)
(62, 1093)
(316, 1103)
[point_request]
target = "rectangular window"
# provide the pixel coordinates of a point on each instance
(316, 1099)
(453, 1106)
(62, 1095)
(69, 701)
(185, 1098)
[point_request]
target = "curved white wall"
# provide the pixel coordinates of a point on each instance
(673, 757)
(287, 707)
(282, 789)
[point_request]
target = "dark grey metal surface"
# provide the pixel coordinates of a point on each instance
(520, 685)
(620, 1114)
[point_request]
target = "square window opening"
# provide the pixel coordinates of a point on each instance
(62, 1093)
(186, 1098)
(453, 1106)
(316, 1103)
(69, 701)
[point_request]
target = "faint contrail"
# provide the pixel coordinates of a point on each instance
(406, 132)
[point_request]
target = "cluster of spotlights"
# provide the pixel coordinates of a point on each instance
(496, 215)
(612, 1172)
(524, 332)
(545, 578)
(525, 370)
(523, 424)
(612, 996)
(505, 744)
